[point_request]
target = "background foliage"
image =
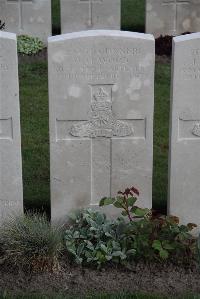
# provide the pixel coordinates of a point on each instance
(29, 45)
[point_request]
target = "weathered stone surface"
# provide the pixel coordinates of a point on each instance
(77, 15)
(11, 199)
(32, 17)
(172, 17)
(101, 93)
(185, 130)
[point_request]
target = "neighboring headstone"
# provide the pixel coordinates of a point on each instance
(185, 130)
(101, 88)
(32, 17)
(172, 17)
(11, 197)
(78, 15)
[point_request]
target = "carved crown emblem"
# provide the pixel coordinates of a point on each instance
(101, 95)
(196, 130)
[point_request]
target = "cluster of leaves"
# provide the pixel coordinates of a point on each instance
(126, 201)
(32, 242)
(2, 25)
(161, 238)
(155, 237)
(93, 239)
(138, 235)
(29, 45)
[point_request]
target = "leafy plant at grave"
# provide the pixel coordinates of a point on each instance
(162, 238)
(92, 239)
(126, 201)
(29, 45)
(2, 25)
(32, 242)
(153, 237)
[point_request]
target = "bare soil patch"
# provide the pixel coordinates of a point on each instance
(40, 57)
(74, 280)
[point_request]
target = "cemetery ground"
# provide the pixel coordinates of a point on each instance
(72, 281)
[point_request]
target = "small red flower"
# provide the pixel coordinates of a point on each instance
(135, 191)
(127, 192)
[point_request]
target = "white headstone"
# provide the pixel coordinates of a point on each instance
(11, 198)
(172, 17)
(77, 15)
(185, 130)
(32, 17)
(101, 93)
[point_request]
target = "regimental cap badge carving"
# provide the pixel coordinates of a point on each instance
(196, 129)
(101, 95)
(102, 122)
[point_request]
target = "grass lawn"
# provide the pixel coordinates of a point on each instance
(34, 119)
(35, 134)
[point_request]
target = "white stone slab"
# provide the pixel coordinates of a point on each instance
(172, 17)
(32, 17)
(101, 94)
(11, 197)
(77, 15)
(184, 160)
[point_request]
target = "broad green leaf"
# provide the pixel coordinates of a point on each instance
(131, 201)
(124, 213)
(119, 254)
(71, 247)
(76, 235)
(157, 245)
(131, 252)
(80, 249)
(139, 212)
(164, 254)
(117, 204)
(167, 245)
(108, 234)
(106, 201)
(100, 219)
(103, 247)
(89, 245)
(108, 257)
(78, 260)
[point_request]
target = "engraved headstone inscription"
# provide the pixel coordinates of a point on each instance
(32, 17)
(172, 17)
(185, 130)
(11, 199)
(101, 117)
(78, 15)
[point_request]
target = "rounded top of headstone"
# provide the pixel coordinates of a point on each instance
(7, 35)
(186, 37)
(101, 33)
